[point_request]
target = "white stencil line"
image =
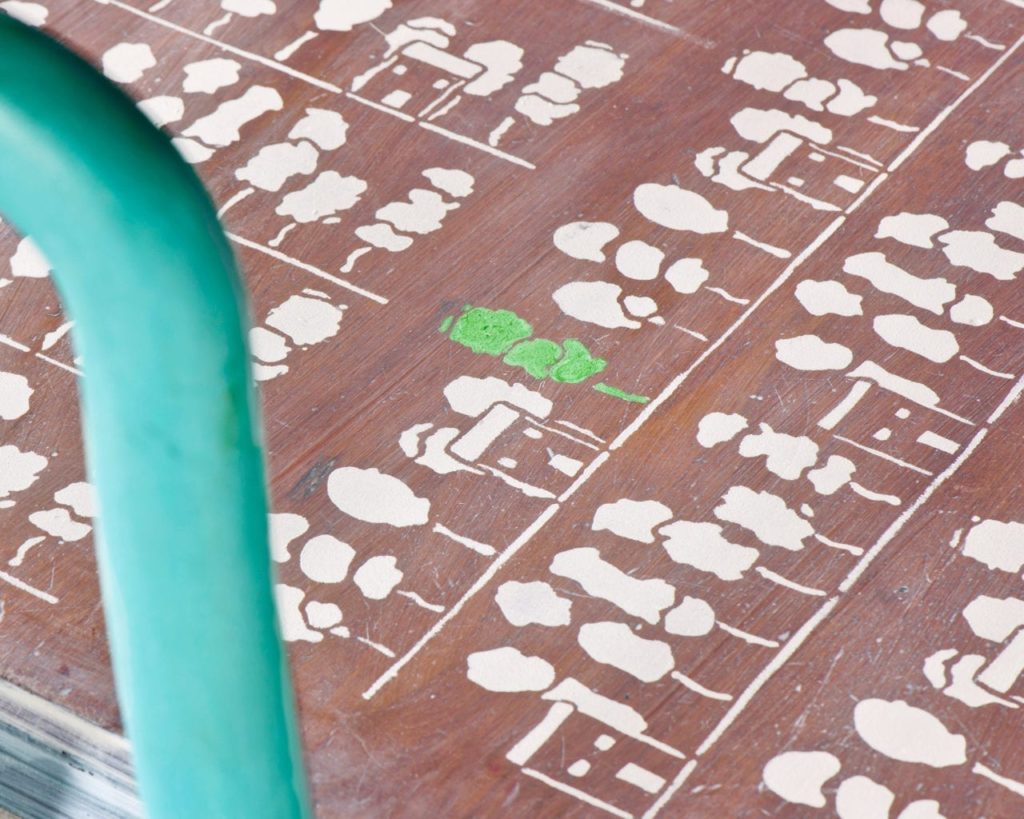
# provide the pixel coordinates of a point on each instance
(870, 189)
(915, 143)
(780, 659)
(697, 688)
(54, 362)
(1011, 398)
(480, 146)
(238, 52)
(473, 590)
(25, 587)
(901, 521)
(885, 456)
(316, 271)
(625, 11)
(676, 382)
(10, 342)
(384, 109)
(669, 792)
(590, 469)
(583, 796)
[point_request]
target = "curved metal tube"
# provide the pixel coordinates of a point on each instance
(171, 435)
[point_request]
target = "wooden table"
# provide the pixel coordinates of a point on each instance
(641, 394)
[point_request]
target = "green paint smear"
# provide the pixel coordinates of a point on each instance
(490, 332)
(537, 356)
(577, 364)
(617, 393)
(446, 324)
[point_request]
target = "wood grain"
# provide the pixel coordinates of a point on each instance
(392, 724)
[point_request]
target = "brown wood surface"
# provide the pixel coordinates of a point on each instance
(878, 575)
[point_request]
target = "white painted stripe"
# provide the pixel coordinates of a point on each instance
(521, 752)
(625, 11)
(907, 513)
(987, 43)
(563, 433)
(1011, 398)
(689, 332)
(842, 409)
(576, 792)
(475, 441)
(57, 363)
(981, 770)
(316, 271)
(1012, 323)
(480, 548)
(238, 52)
(640, 777)
(835, 544)
(480, 583)
(377, 106)
(779, 660)
(387, 652)
(871, 495)
(589, 470)
(480, 146)
(873, 168)
(866, 157)
(864, 194)
(768, 574)
(677, 783)
(696, 687)
(949, 109)
(419, 601)
(725, 294)
(25, 587)
(895, 126)
(958, 74)
(885, 456)
(582, 430)
(10, 342)
(678, 381)
(753, 639)
(234, 200)
(979, 366)
(939, 442)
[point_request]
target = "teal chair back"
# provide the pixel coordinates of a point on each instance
(172, 435)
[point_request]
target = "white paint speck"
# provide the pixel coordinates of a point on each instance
(798, 776)
(812, 353)
(525, 604)
(828, 298)
(719, 427)
(645, 599)
(378, 577)
(508, 669)
(325, 559)
(703, 546)
(585, 240)
(862, 798)
(766, 515)
(679, 209)
(18, 470)
(907, 733)
(15, 393)
(306, 320)
(127, 62)
(616, 644)
(208, 76)
(375, 497)
(631, 519)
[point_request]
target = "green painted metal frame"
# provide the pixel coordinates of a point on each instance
(171, 434)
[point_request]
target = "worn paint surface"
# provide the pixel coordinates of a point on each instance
(640, 382)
